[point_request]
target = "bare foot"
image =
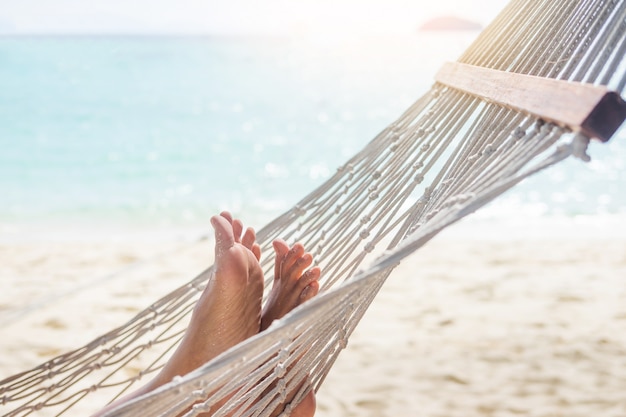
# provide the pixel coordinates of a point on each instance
(229, 309)
(292, 286)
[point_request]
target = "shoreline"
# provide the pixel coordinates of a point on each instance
(477, 226)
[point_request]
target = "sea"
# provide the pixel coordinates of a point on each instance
(159, 133)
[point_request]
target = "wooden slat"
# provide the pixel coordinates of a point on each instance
(591, 109)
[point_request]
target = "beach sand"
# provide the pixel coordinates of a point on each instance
(474, 324)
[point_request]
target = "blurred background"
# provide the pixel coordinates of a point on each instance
(126, 115)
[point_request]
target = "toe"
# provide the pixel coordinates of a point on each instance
(292, 257)
(249, 237)
(227, 216)
(224, 238)
(256, 250)
(237, 229)
(310, 276)
(281, 249)
(300, 265)
(310, 291)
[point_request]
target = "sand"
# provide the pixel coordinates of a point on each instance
(524, 321)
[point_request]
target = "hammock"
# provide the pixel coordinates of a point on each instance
(462, 144)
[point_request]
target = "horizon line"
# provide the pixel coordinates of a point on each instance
(215, 35)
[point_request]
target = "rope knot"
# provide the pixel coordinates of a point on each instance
(282, 389)
(201, 408)
(343, 339)
(280, 370)
(489, 149)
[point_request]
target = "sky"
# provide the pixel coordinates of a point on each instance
(233, 17)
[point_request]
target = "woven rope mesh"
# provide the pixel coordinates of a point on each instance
(445, 157)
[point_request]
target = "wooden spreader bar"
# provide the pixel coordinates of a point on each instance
(591, 109)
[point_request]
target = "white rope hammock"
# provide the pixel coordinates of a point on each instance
(449, 154)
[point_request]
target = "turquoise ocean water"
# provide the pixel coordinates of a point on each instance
(163, 132)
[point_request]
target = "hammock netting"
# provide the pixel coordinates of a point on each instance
(449, 154)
